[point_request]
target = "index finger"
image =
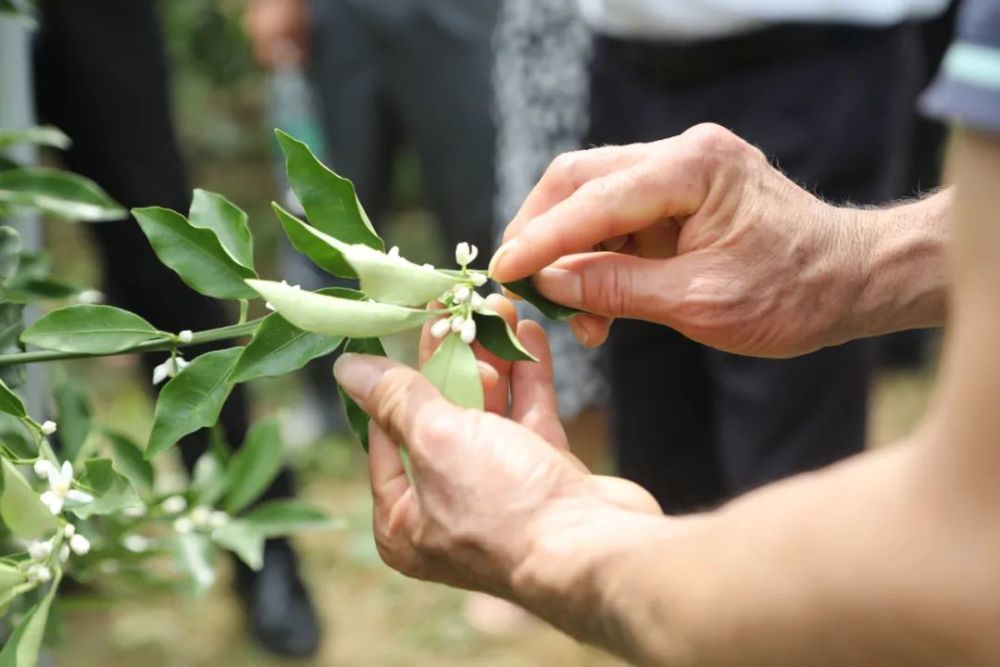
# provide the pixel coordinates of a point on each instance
(616, 204)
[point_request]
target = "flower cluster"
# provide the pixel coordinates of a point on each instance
(200, 518)
(38, 570)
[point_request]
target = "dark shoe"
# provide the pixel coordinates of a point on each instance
(280, 615)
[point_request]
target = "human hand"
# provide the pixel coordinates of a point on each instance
(697, 232)
(485, 491)
(278, 31)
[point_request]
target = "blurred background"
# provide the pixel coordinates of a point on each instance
(444, 114)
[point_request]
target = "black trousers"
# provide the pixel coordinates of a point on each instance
(694, 425)
(101, 76)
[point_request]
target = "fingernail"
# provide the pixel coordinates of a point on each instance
(501, 251)
(560, 285)
(357, 375)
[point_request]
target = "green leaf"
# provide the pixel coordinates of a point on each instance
(281, 517)
(526, 289)
(453, 370)
(213, 211)
(57, 193)
(42, 135)
(384, 278)
(20, 508)
(10, 402)
(112, 492)
(22, 647)
(192, 400)
(11, 326)
(243, 540)
(329, 200)
(208, 483)
(73, 414)
(335, 316)
(356, 417)
(194, 553)
(254, 465)
(392, 279)
(314, 244)
(10, 252)
(196, 255)
(493, 333)
(10, 576)
(279, 347)
(89, 329)
(129, 461)
(36, 290)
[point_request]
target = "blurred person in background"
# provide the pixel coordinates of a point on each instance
(826, 90)
(391, 75)
(101, 76)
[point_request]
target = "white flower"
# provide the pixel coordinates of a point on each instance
(134, 511)
(465, 254)
(137, 544)
(200, 516)
(90, 296)
(79, 544)
(185, 336)
(40, 550)
(478, 279)
(477, 302)
(393, 251)
(468, 331)
(49, 427)
(183, 525)
(441, 328)
(69, 530)
(174, 505)
(456, 323)
(462, 293)
(218, 519)
(169, 368)
(60, 489)
(64, 553)
(39, 574)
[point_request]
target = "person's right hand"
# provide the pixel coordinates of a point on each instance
(278, 31)
(697, 232)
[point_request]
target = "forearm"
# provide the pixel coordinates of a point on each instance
(861, 564)
(904, 280)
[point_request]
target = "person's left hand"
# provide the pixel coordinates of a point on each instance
(486, 491)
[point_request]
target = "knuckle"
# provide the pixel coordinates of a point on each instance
(711, 137)
(611, 290)
(391, 396)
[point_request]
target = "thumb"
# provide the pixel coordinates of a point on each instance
(616, 285)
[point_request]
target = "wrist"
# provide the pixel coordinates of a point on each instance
(577, 574)
(899, 266)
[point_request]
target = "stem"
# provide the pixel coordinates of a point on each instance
(207, 336)
(244, 309)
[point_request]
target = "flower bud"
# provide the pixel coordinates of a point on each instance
(174, 505)
(79, 544)
(39, 574)
(478, 279)
(183, 525)
(69, 530)
(441, 328)
(200, 516)
(135, 543)
(468, 331)
(90, 296)
(393, 251)
(64, 553)
(40, 550)
(477, 302)
(218, 519)
(456, 323)
(49, 427)
(462, 293)
(43, 468)
(185, 336)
